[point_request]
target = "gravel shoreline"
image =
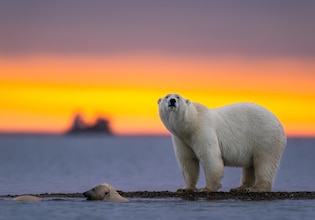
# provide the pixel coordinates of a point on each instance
(259, 196)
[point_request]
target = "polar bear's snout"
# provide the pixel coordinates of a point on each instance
(87, 195)
(172, 103)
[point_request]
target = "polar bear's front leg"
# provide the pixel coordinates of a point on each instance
(188, 163)
(213, 166)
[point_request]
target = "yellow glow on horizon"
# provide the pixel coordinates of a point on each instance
(43, 93)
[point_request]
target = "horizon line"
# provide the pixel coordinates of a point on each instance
(100, 134)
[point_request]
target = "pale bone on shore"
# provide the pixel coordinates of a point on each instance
(27, 198)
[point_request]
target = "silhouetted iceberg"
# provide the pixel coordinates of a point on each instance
(101, 126)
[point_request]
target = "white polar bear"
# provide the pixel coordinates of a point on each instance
(239, 135)
(104, 192)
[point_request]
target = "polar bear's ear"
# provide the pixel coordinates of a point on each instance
(187, 101)
(159, 100)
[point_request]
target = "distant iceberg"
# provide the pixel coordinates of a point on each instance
(79, 126)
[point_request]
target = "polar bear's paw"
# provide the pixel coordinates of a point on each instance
(239, 189)
(250, 189)
(188, 190)
(257, 189)
(207, 190)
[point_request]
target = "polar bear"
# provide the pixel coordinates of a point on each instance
(104, 192)
(239, 135)
(27, 198)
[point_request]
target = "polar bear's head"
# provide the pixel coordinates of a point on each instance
(173, 110)
(172, 102)
(104, 192)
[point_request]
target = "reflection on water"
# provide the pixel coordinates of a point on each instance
(39, 164)
(65, 164)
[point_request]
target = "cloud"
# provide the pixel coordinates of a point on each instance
(247, 28)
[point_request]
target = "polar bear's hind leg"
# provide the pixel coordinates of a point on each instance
(248, 179)
(259, 177)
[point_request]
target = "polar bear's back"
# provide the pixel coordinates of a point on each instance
(246, 129)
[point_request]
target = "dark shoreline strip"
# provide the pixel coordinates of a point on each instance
(222, 195)
(257, 196)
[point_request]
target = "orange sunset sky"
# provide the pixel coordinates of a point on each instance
(116, 59)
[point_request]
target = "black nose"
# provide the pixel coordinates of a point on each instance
(172, 101)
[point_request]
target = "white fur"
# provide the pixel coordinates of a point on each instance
(239, 135)
(104, 192)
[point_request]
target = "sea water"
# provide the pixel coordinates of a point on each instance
(33, 164)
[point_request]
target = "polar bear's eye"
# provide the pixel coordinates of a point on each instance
(93, 190)
(167, 96)
(177, 97)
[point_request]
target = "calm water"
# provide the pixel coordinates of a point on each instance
(59, 164)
